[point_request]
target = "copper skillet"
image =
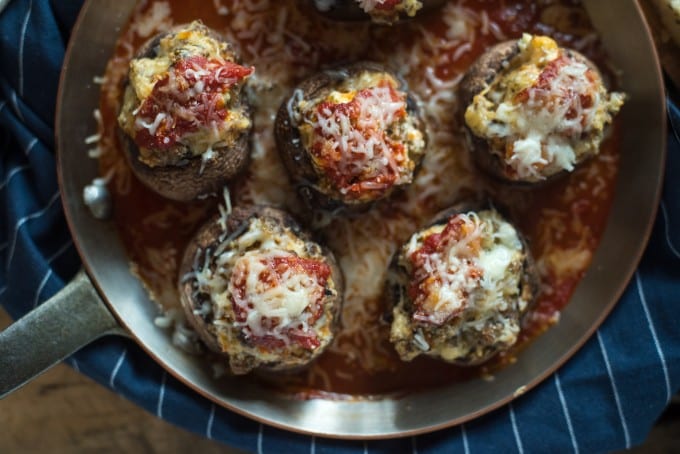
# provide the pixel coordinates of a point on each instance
(108, 299)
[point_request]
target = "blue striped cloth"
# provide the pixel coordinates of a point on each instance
(607, 397)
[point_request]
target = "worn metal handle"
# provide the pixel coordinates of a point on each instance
(69, 320)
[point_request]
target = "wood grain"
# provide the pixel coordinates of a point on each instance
(63, 411)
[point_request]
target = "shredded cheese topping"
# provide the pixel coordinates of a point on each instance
(445, 271)
(361, 137)
(371, 5)
(264, 285)
(186, 97)
(464, 275)
(545, 113)
(277, 296)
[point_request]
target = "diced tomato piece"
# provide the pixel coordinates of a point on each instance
(191, 95)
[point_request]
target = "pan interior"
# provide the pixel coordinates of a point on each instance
(630, 47)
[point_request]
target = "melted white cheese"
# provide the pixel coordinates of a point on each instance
(283, 300)
(370, 5)
(549, 131)
(144, 75)
(451, 272)
(476, 279)
(362, 146)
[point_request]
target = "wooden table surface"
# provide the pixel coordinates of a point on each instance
(63, 411)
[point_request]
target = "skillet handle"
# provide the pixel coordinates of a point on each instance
(69, 320)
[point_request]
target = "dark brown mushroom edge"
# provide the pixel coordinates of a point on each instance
(259, 291)
(459, 288)
(350, 136)
(534, 110)
(386, 12)
(185, 121)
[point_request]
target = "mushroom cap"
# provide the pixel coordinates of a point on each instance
(398, 280)
(208, 237)
(477, 78)
(193, 177)
(297, 159)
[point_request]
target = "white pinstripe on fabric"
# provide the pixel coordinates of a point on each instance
(116, 368)
(414, 445)
(365, 447)
(211, 420)
(74, 363)
(15, 104)
(161, 396)
(48, 274)
(259, 439)
(657, 345)
(60, 251)
(617, 399)
(312, 447)
(675, 131)
(667, 228)
(515, 430)
(25, 219)
(11, 173)
(30, 146)
(22, 40)
(40, 288)
(565, 410)
(466, 445)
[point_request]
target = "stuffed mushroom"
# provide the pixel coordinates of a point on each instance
(259, 291)
(379, 11)
(185, 120)
(459, 288)
(350, 136)
(534, 110)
